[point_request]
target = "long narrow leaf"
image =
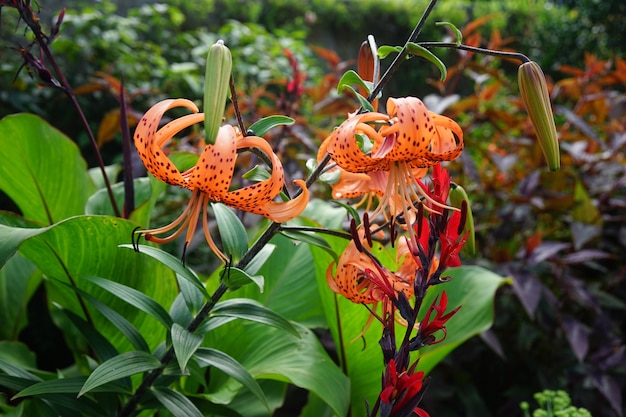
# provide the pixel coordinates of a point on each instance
(232, 368)
(134, 298)
(172, 262)
(185, 344)
(121, 366)
(101, 346)
(247, 309)
(176, 403)
(124, 326)
(262, 126)
(66, 386)
(16, 371)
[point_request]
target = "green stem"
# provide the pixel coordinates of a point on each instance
(403, 53)
(451, 45)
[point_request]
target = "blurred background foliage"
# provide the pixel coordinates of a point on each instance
(561, 236)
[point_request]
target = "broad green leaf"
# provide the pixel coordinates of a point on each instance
(235, 278)
(36, 160)
(19, 278)
(134, 298)
(262, 126)
(184, 343)
(121, 366)
(70, 385)
(232, 368)
(418, 50)
(99, 202)
(350, 78)
(457, 33)
(12, 237)
(259, 259)
(289, 286)
(175, 402)
(117, 320)
(247, 309)
(246, 404)
(95, 174)
(267, 352)
(17, 354)
(102, 348)
(473, 288)
(310, 238)
(15, 370)
(232, 232)
(172, 263)
(385, 50)
(15, 383)
(88, 245)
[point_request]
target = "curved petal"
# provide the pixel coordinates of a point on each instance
(413, 126)
(253, 197)
(149, 139)
(285, 211)
(214, 170)
(423, 138)
(344, 149)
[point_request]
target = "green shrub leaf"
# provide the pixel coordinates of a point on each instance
(36, 160)
(232, 232)
(247, 309)
(121, 366)
(184, 343)
(232, 368)
(176, 403)
(262, 126)
(134, 298)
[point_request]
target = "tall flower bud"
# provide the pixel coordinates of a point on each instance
(534, 91)
(219, 64)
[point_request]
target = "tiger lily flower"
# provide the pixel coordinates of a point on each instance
(404, 143)
(209, 180)
(360, 278)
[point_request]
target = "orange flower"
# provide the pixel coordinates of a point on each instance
(210, 179)
(404, 143)
(360, 278)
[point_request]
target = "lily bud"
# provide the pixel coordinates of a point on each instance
(534, 91)
(219, 64)
(459, 199)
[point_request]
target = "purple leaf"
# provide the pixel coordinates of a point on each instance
(585, 255)
(528, 289)
(491, 340)
(577, 335)
(610, 389)
(546, 250)
(583, 233)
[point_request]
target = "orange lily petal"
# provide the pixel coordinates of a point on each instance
(285, 211)
(149, 139)
(214, 170)
(344, 149)
(252, 197)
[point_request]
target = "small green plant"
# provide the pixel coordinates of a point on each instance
(554, 404)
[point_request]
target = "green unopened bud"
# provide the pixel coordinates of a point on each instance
(457, 197)
(534, 91)
(219, 64)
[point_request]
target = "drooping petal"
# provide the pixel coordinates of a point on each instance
(150, 140)
(253, 197)
(344, 148)
(281, 212)
(214, 170)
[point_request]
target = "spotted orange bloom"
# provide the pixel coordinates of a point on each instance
(404, 143)
(363, 280)
(210, 178)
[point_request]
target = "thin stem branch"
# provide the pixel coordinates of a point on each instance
(451, 45)
(403, 53)
(26, 12)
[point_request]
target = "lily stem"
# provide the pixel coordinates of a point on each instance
(403, 53)
(451, 45)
